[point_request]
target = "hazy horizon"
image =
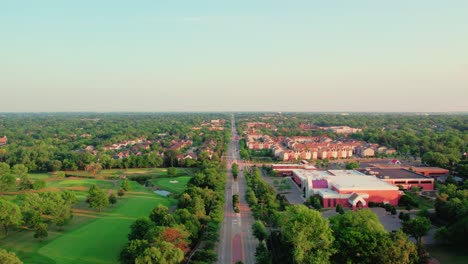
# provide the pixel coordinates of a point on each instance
(242, 56)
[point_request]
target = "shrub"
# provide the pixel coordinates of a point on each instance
(408, 201)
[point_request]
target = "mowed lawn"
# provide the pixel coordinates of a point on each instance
(173, 187)
(87, 183)
(101, 240)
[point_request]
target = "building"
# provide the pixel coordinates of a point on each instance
(287, 169)
(402, 177)
(350, 188)
(431, 171)
(3, 140)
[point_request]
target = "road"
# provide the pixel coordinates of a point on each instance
(236, 242)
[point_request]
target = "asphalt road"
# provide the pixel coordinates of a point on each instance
(236, 242)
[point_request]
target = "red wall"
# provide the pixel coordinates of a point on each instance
(391, 197)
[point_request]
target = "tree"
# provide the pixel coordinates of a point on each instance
(262, 256)
(140, 228)
(132, 250)
(8, 257)
(163, 253)
(121, 192)
(178, 236)
(308, 233)
(171, 172)
(339, 209)
(352, 165)
(259, 231)
(61, 214)
(161, 217)
(10, 215)
(7, 181)
(41, 231)
(396, 248)
(112, 199)
(417, 228)
(125, 185)
(39, 184)
(97, 198)
(357, 236)
(235, 170)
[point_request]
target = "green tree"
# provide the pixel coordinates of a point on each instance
(39, 184)
(41, 231)
(112, 199)
(161, 217)
(357, 236)
(7, 181)
(132, 250)
(308, 233)
(417, 228)
(8, 257)
(259, 231)
(62, 213)
(163, 253)
(10, 215)
(121, 192)
(352, 165)
(339, 209)
(140, 228)
(171, 172)
(125, 185)
(97, 198)
(235, 170)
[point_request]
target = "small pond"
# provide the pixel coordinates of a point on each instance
(162, 192)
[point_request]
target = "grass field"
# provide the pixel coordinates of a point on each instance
(92, 237)
(177, 188)
(87, 183)
(115, 173)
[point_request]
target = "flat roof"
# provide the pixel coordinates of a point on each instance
(398, 174)
(350, 180)
(429, 169)
(362, 183)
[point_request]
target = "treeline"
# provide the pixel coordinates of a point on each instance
(297, 234)
(451, 214)
(37, 211)
(54, 142)
(191, 231)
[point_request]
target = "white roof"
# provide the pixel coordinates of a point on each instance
(351, 180)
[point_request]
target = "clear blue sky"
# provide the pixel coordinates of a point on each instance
(243, 55)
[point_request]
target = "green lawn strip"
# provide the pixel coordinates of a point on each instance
(81, 183)
(39, 176)
(101, 240)
(176, 188)
(448, 254)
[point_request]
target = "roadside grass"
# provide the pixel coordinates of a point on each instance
(90, 237)
(448, 254)
(176, 188)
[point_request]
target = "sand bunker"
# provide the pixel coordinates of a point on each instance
(174, 181)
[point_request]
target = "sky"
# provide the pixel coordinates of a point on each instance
(243, 55)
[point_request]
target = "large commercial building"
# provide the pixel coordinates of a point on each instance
(350, 188)
(404, 178)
